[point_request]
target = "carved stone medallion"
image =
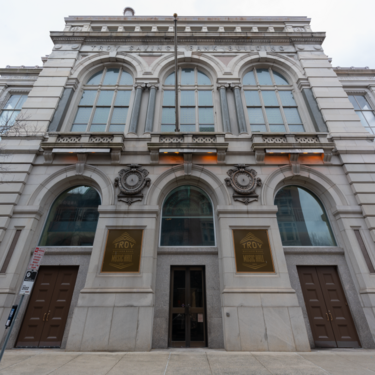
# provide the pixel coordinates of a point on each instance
(243, 180)
(131, 181)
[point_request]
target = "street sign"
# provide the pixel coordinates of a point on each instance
(32, 271)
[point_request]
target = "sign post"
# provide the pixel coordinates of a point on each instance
(26, 288)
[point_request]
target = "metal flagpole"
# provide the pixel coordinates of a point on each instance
(176, 73)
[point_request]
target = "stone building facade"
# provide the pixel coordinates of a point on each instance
(274, 141)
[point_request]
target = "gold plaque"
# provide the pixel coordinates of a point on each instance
(252, 251)
(123, 250)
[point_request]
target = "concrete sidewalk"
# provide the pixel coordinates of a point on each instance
(187, 361)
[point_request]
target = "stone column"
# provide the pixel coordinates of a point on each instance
(151, 110)
(136, 109)
(239, 110)
(224, 109)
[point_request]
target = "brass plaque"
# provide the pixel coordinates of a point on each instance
(123, 250)
(252, 251)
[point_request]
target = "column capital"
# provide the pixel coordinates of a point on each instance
(223, 85)
(140, 85)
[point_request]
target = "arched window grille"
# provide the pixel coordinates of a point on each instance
(187, 218)
(302, 219)
(105, 102)
(73, 218)
(270, 102)
(195, 99)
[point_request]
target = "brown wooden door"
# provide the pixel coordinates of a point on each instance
(187, 320)
(330, 319)
(47, 311)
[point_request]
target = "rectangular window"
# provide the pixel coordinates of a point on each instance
(364, 112)
(11, 110)
(273, 111)
(103, 110)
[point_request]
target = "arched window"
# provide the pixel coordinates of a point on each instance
(187, 218)
(302, 219)
(73, 218)
(105, 102)
(271, 106)
(195, 100)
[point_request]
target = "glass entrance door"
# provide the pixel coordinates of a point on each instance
(187, 317)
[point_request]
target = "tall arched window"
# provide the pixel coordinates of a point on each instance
(105, 102)
(302, 219)
(187, 218)
(196, 102)
(271, 106)
(73, 218)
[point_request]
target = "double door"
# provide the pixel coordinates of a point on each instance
(331, 323)
(44, 321)
(187, 312)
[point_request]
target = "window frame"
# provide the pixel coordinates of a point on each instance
(305, 120)
(213, 216)
(11, 92)
(196, 88)
(70, 121)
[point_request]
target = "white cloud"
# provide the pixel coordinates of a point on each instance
(25, 24)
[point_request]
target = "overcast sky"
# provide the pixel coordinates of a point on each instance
(350, 26)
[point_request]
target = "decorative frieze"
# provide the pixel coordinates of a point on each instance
(204, 139)
(307, 139)
(274, 139)
(171, 139)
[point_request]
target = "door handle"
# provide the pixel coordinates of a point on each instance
(330, 315)
(327, 316)
(44, 317)
(48, 315)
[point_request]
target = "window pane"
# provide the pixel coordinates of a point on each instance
(252, 98)
(362, 118)
(269, 98)
(277, 128)
(126, 79)
(258, 128)
(255, 115)
(207, 128)
(249, 79)
(169, 98)
(111, 76)
(79, 128)
(292, 116)
(206, 116)
(101, 115)
(302, 219)
(168, 116)
(105, 98)
(188, 128)
(187, 116)
(287, 98)
(88, 97)
(264, 77)
(170, 80)
(279, 79)
(122, 98)
(203, 79)
(21, 101)
(97, 128)
(187, 77)
(13, 117)
(296, 128)
(117, 128)
(188, 98)
(369, 117)
(73, 218)
(119, 115)
(12, 102)
(354, 102)
(187, 218)
(168, 128)
(83, 115)
(363, 103)
(205, 98)
(95, 79)
(5, 118)
(274, 116)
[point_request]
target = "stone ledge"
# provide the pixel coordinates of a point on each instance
(313, 250)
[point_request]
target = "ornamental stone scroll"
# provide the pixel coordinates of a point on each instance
(131, 181)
